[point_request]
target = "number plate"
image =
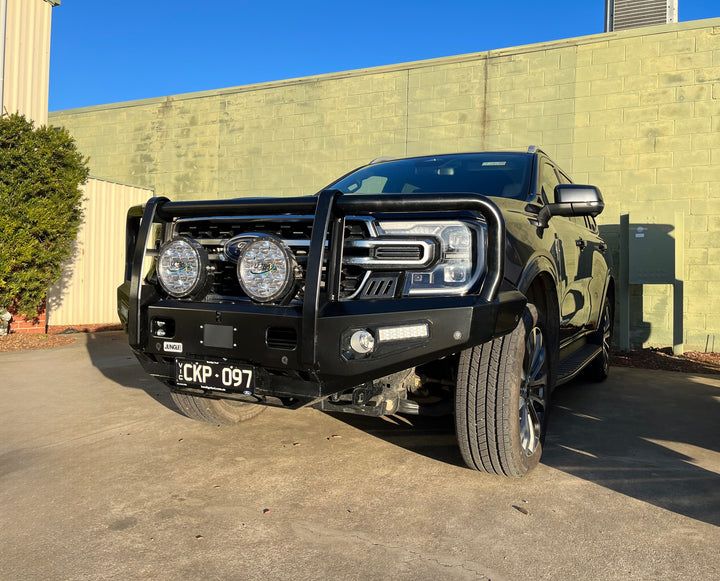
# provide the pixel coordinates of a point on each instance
(214, 375)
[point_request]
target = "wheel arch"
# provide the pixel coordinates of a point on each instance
(610, 294)
(541, 291)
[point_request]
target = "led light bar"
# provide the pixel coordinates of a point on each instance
(417, 331)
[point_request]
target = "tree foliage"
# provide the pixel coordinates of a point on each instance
(40, 209)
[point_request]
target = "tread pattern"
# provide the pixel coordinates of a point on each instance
(487, 400)
(215, 411)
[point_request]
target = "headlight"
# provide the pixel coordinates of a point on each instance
(462, 255)
(182, 268)
(267, 270)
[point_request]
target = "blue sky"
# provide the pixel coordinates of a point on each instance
(106, 52)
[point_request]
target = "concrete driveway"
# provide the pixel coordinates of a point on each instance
(100, 478)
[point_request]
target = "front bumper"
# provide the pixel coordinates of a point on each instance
(299, 352)
(280, 371)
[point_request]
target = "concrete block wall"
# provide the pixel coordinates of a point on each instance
(635, 112)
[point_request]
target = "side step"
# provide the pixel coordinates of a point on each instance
(570, 367)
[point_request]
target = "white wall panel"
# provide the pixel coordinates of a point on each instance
(86, 295)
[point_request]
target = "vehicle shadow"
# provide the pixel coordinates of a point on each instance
(650, 435)
(432, 437)
(110, 354)
(653, 436)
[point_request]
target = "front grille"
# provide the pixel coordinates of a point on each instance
(295, 231)
(225, 228)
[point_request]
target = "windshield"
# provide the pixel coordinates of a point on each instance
(505, 175)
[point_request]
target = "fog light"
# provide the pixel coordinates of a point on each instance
(405, 332)
(362, 342)
(162, 327)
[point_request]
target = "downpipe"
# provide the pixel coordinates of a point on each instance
(3, 36)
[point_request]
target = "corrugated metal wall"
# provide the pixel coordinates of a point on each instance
(86, 293)
(27, 58)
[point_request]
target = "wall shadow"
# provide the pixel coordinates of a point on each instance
(57, 292)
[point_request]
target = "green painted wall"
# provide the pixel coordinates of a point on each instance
(635, 112)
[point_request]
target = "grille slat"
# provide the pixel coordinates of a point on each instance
(399, 252)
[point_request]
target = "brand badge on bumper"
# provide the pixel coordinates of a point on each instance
(172, 347)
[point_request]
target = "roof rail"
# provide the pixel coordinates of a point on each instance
(382, 158)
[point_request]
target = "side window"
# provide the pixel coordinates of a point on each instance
(591, 223)
(580, 221)
(561, 178)
(548, 181)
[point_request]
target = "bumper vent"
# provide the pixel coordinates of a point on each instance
(380, 287)
(284, 338)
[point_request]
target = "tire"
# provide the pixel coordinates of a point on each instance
(599, 368)
(215, 411)
(503, 398)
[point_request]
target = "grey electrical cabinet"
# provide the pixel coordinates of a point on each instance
(651, 249)
(651, 254)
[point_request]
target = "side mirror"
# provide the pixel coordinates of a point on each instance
(572, 200)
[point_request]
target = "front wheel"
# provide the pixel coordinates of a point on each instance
(502, 399)
(215, 411)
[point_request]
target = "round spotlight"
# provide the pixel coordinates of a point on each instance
(182, 267)
(362, 342)
(267, 270)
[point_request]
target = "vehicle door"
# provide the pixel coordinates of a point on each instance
(594, 260)
(573, 257)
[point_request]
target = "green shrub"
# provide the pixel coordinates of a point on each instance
(40, 209)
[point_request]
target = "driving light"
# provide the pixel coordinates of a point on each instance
(405, 332)
(182, 267)
(267, 270)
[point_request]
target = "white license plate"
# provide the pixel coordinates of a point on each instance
(214, 375)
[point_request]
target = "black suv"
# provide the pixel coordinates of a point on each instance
(468, 283)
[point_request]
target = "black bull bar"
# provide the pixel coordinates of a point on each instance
(329, 208)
